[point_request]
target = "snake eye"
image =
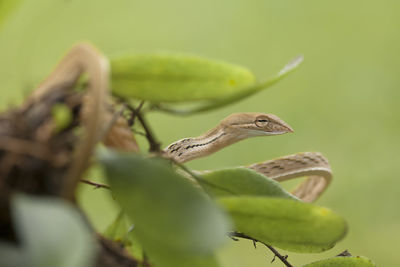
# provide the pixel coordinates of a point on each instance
(261, 122)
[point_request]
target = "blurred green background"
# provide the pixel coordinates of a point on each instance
(343, 101)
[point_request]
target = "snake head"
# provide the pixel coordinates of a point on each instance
(272, 125)
(255, 124)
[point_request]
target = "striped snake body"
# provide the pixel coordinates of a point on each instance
(240, 126)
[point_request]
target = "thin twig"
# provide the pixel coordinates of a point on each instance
(155, 146)
(233, 238)
(131, 120)
(345, 253)
(96, 185)
(276, 253)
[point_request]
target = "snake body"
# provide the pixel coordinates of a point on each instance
(232, 129)
(240, 126)
(311, 164)
(84, 58)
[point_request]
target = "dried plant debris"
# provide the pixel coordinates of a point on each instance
(34, 154)
(47, 143)
(37, 146)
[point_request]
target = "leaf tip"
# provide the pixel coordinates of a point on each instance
(294, 63)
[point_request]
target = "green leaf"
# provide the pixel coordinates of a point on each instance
(176, 78)
(53, 232)
(62, 116)
(238, 95)
(12, 256)
(134, 246)
(287, 224)
(170, 258)
(117, 230)
(122, 230)
(6, 9)
(357, 261)
(173, 220)
(242, 181)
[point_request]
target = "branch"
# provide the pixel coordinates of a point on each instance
(131, 120)
(276, 253)
(345, 253)
(155, 146)
(96, 185)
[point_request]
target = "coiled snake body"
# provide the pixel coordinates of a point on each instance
(240, 126)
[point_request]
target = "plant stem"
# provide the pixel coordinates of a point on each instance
(96, 185)
(276, 253)
(155, 146)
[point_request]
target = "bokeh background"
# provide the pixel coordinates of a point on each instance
(343, 101)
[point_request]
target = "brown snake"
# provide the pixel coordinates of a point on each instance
(240, 126)
(84, 58)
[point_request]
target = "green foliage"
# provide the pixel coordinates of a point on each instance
(118, 229)
(62, 116)
(288, 224)
(174, 221)
(169, 258)
(343, 262)
(52, 232)
(182, 78)
(242, 181)
(239, 95)
(12, 256)
(122, 231)
(176, 78)
(164, 215)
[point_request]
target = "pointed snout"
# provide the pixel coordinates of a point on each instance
(280, 125)
(288, 128)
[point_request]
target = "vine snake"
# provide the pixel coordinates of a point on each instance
(84, 58)
(240, 126)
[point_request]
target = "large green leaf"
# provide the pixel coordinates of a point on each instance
(121, 230)
(118, 229)
(12, 256)
(290, 225)
(182, 78)
(170, 258)
(53, 233)
(343, 262)
(237, 95)
(242, 181)
(176, 78)
(174, 221)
